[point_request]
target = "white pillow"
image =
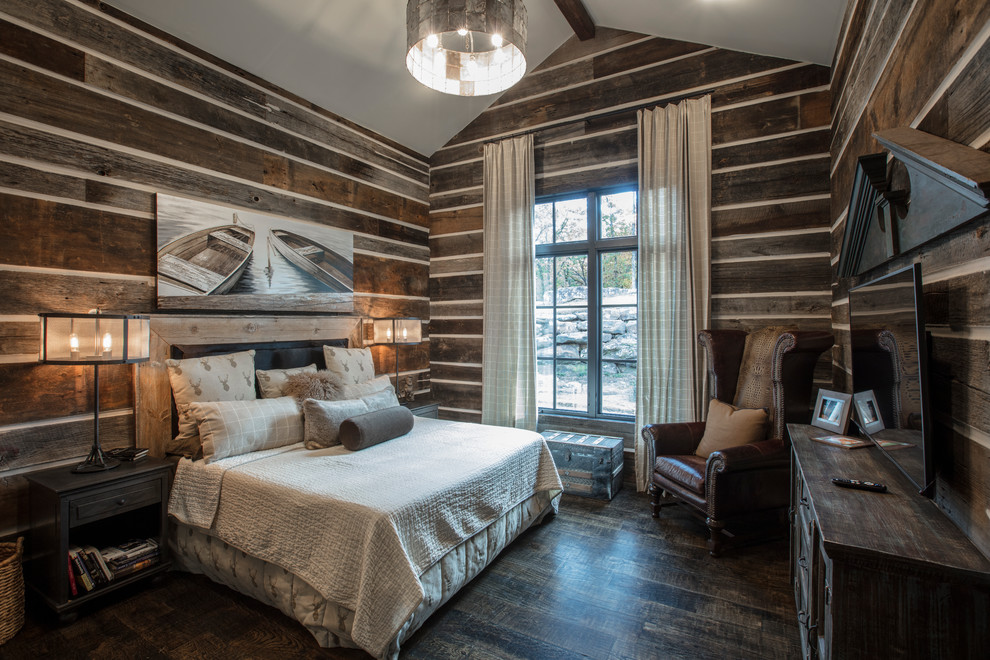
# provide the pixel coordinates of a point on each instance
(271, 381)
(231, 428)
(228, 377)
(323, 418)
(350, 365)
(366, 388)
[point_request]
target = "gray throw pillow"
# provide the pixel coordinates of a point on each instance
(371, 428)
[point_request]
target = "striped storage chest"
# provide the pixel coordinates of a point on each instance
(588, 465)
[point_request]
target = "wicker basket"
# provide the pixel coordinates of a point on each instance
(11, 589)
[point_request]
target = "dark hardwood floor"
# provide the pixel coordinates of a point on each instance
(601, 580)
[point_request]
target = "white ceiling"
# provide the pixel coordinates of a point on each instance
(348, 56)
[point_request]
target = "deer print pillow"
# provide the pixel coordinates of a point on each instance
(228, 377)
(350, 365)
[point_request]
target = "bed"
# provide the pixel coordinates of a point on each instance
(360, 547)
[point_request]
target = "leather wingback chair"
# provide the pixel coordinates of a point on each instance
(750, 480)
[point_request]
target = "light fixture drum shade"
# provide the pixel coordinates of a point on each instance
(466, 47)
(94, 338)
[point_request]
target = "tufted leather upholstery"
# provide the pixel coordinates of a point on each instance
(750, 479)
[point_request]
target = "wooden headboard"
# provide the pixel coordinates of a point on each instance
(152, 391)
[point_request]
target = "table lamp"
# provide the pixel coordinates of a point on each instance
(397, 331)
(95, 339)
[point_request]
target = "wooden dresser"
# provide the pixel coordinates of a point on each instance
(879, 575)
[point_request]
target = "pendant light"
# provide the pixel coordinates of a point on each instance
(466, 47)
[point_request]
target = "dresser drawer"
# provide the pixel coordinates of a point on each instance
(101, 505)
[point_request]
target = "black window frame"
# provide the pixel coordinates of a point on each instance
(592, 248)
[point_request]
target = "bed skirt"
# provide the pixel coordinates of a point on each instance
(197, 551)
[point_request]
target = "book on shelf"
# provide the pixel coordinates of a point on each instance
(82, 573)
(843, 441)
(101, 565)
(137, 566)
(93, 567)
(73, 589)
(122, 558)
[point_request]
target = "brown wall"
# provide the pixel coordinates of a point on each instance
(770, 133)
(96, 116)
(926, 65)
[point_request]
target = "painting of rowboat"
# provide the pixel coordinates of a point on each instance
(213, 257)
(206, 262)
(321, 262)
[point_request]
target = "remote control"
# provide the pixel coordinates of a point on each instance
(860, 485)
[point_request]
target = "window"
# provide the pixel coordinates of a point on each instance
(586, 303)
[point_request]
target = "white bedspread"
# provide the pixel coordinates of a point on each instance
(361, 527)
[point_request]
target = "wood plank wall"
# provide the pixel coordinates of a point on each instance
(97, 114)
(770, 221)
(926, 65)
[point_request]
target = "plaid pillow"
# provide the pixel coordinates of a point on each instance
(231, 428)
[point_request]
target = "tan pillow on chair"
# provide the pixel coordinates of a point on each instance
(728, 426)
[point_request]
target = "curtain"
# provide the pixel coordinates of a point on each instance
(508, 396)
(674, 267)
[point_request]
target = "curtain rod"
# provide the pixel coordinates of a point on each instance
(602, 115)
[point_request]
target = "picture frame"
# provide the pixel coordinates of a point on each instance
(868, 412)
(832, 410)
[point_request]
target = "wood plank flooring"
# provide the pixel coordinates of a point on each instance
(602, 580)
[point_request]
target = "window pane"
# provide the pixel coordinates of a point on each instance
(619, 333)
(543, 224)
(544, 383)
(618, 279)
(572, 333)
(572, 280)
(618, 212)
(619, 388)
(543, 284)
(544, 333)
(572, 220)
(572, 386)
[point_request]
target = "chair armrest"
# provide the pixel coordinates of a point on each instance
(672, 439)
(748, 478)
(755, 455)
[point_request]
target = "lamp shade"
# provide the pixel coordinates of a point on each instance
(94, 338)
(397, 331)
(466, 48)
(383, 331)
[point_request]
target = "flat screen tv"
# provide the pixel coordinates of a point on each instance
(889, 368)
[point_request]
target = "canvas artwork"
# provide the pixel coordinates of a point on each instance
(213, 257)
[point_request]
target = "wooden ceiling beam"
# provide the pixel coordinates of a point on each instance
(578, 18)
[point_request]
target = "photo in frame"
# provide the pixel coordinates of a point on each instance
(832, 410)
(213, 257)
(868, 412)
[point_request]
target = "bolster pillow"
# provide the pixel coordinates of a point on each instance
(371, 428)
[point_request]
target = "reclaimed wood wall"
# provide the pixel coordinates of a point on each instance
(99, 112)
(770, 196)
(926, 65)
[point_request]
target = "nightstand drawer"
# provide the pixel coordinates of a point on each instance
(94, 507)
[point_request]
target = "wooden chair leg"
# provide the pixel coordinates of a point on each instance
(715, 540)
(655, 503)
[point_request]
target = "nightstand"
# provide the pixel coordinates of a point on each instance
(97, 509)
(423, 408)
